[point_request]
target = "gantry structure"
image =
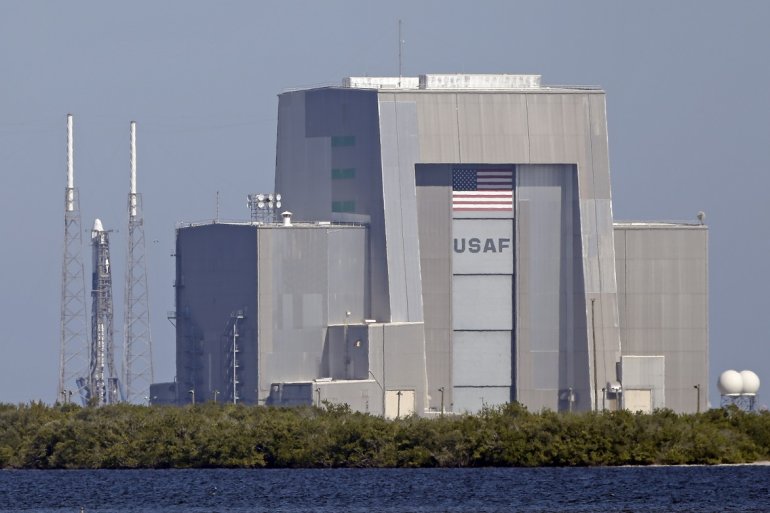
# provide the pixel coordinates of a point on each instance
(137, 347)
(73, 352)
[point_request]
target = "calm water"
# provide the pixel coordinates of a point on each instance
(649, 489)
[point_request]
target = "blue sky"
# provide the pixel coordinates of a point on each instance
(688, 102)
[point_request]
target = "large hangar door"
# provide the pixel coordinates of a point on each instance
(482, 286)
(552, 358)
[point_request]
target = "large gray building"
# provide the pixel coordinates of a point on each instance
(479, 216)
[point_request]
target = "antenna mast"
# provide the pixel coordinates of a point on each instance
(400, 44)
(74, 334)
(137, 347)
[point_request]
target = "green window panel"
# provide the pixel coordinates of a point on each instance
(343, 173)
(343, 140)
(343, 206)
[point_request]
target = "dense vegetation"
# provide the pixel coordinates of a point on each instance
(215, 435)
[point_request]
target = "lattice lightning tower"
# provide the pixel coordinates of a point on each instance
(137, 355)
(73, 363)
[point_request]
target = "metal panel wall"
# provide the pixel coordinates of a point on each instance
(301, 159)
(550, 126)
(482, 302)
(397, 359)
(399, 152)
(434, 219)
(216, 275)
(645, 373)
(663, 287)
(304, 271)
(482, 247)
(552, 349)
(482, 357)
(346, 122)
(473, 399)
(492, 128)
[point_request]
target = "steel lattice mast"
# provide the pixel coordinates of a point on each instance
(73, 363)
(137, 355)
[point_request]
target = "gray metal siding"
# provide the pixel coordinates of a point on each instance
(482, 358)
(482, 246)
(548, 128)
(482, 302)
(397, 359)
(552, 348)
(538, 126)
(399, 152)
(310, 277)
(663, 287)
(302, 159)
(473, 399)
(646, 373)
(216, 276)
(329, 114)
(434, 193)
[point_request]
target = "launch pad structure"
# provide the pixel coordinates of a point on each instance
(137, 347)
(73, 362)
(88, 363)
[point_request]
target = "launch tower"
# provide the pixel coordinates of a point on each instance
(74, 335)
(137, 355)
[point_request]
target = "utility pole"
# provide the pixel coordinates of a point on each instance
(697, 388)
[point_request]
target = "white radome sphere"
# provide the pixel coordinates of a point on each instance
(750, 382)
(730, 383)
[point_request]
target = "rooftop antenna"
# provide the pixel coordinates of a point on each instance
(137, 348)
(73, 363)
(400, 45)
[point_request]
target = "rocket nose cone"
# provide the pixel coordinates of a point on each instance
(98, 226)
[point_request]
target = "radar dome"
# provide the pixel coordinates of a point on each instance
(750, 382)
(730, 383)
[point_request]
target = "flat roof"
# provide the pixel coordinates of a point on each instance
(459, 82)
(277, 224)
(647, 225)
(455, 82)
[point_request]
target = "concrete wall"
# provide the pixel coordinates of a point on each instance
(663, 295)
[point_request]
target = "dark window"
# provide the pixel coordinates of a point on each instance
(343, 140)
(343, 206)
(343, 173)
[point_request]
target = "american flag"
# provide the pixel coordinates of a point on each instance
(482, 190)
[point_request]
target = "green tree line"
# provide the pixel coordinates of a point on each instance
(37, 436)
